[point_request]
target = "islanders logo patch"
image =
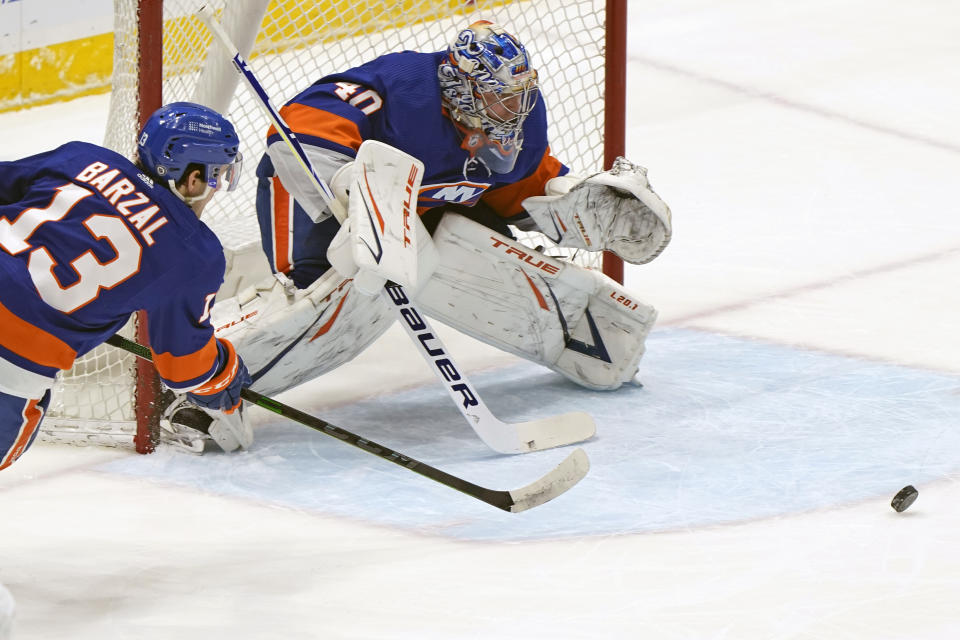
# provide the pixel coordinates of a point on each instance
(466, 193)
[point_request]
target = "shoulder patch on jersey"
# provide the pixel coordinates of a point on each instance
(463, 192)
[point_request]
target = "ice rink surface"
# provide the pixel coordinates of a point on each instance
(805, 367)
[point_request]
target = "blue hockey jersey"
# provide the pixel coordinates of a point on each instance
(87, 238)
(395, 99)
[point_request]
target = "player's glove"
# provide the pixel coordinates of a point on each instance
(220, 399)
(222, 391)
(185, 425)
(230, 430)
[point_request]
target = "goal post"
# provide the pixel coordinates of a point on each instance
(163, 53)
(147, 385)
(614, 103)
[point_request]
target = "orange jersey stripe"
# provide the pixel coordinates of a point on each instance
(32, 414)
(221, 381)
(33, 343)
(282, 216)
(318, 123)
(187, 367)
(506, 201)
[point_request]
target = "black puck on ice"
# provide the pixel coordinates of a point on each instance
(904, 498)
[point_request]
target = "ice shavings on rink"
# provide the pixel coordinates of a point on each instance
(723, 430)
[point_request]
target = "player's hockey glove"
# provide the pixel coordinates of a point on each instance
(187, 426)
(222, 391)
(220, 398)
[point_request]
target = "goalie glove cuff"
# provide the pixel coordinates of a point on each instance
(340, 251)
(340, 184)
(341, 257)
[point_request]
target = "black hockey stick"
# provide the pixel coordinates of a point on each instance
(568, 473)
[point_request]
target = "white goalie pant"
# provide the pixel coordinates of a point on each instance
(575, 321)
(286, 336)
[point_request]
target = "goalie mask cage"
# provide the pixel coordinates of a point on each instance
(164, 53)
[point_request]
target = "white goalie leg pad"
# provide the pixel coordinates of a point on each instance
(573, 320)
(287, 336)
(616, 210)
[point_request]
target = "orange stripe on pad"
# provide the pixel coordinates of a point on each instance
(373, 200)
(540, 299)
(33, 343)
(329, 323)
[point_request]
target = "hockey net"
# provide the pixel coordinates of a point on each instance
(291, 44)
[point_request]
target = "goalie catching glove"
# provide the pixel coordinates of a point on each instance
(611, 211)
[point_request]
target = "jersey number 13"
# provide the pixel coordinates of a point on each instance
(92, 275)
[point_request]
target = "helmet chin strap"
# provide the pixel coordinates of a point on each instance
(189, 200)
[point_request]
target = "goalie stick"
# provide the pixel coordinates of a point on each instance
(500, 436)
(568, 473)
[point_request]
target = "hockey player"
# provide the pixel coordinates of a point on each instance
(474, 116)
(87, 237)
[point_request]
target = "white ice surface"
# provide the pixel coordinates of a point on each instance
(805, 368)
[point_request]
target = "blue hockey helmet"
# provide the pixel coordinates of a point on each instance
(183, 133)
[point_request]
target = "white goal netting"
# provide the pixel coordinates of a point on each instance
(293, 44)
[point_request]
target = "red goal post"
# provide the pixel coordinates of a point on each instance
(163, 53)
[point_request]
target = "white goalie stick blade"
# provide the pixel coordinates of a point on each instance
(545, 433)
(568, 473)
(502, 437)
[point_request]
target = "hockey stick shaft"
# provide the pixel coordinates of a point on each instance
(288, 136)
(499, 436)
(567, 474)
(520, 437)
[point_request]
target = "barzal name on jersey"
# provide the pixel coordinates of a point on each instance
(87, 238)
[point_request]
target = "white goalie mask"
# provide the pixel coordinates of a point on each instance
(489, 88)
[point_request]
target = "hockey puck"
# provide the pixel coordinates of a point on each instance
(904, 498)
